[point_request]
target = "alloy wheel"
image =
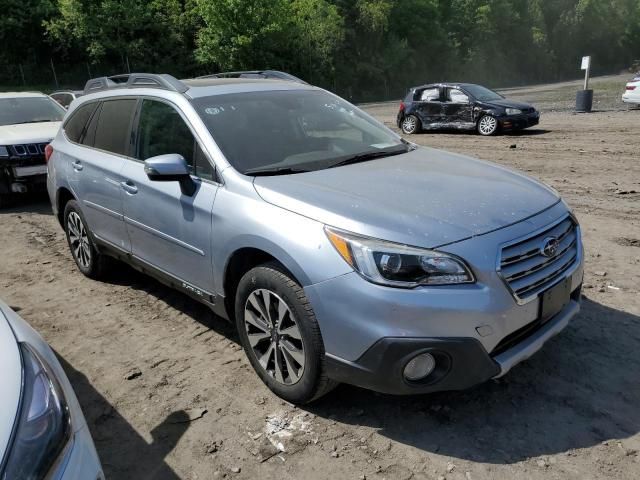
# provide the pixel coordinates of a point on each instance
(79, 240)
(274, 336)
(409, 124)
(488, 125)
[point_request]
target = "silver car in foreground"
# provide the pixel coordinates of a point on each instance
(43, 434)
(342, 252)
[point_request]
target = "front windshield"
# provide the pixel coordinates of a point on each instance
(19, 110)
(483, 94)
(293, 131)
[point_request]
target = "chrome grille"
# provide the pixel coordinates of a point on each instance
(527, 271)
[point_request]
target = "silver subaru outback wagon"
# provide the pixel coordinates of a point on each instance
(342, 252)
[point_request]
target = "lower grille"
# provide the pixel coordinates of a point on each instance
(531, 265)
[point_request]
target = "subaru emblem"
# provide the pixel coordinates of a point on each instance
(549, 247)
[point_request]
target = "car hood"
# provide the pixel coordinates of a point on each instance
(424, 198)
(11, 378)
(506, 103)
(28, 133)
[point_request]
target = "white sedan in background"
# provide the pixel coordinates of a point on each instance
(43, 434)
(632, 91)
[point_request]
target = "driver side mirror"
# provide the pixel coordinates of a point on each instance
(171, 167)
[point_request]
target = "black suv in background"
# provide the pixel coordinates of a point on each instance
(463, 106)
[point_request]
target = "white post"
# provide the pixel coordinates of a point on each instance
(586, 66)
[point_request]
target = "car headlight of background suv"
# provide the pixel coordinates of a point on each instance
(43, 428)
(397, 265)
(513, 111)
(4, 152)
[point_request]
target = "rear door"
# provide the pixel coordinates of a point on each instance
(429, 107)
(169, 230)
(457, 109)
(96, 169)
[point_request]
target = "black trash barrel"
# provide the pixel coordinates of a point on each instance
(584, 100)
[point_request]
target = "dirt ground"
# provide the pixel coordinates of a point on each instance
(168, 393)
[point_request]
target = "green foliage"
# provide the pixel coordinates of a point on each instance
(363, 49)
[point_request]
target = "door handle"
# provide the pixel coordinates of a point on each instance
(77, 165)
(129, 187)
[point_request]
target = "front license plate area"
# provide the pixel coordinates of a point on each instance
(552, 301)
(30, 171)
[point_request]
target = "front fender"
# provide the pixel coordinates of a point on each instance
(296, 241)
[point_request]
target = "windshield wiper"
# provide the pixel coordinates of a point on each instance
(363, 157)
(258, 172)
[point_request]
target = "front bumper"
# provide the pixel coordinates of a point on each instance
(20, 175)
(518, 122)
(371, 331)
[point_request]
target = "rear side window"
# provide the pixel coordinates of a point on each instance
(74, 127)
(113, 132)
(430, 95)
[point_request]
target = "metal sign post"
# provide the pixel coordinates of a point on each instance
(584, 98)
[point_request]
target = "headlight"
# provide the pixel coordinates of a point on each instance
(43, 428)
(398, 265)
(4, 152)
(513, 111)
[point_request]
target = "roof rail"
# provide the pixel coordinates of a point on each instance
(135, 80)
(256, 74)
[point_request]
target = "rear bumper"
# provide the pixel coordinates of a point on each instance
(518, 122)
(461, 362)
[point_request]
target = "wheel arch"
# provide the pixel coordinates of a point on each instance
(249, 256)
(63, 196)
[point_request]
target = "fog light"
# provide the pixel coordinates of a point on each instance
(419, 367)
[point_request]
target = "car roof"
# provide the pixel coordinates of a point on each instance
(445, 84)
(21, 95)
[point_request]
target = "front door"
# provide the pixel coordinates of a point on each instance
(170, 231)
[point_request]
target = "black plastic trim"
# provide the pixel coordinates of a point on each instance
(461, 363)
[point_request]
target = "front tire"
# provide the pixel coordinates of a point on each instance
(89, 261)
(280, 334)
(487, 125)
(410, 125)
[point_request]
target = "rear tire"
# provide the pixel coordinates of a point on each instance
(89, 261)
(280, 334)
(410, 125)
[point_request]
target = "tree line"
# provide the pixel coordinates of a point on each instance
(363, 49)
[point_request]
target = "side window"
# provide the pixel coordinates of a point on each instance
(113, 132)
(74, 127)
(430, 95)
(161, 130)
(457, 96)
(89, 136)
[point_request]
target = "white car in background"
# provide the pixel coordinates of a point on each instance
(43, 434)
(28, 122)
(632, 90)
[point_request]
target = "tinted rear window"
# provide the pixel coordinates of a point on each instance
(75, 125)
(114, 126)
